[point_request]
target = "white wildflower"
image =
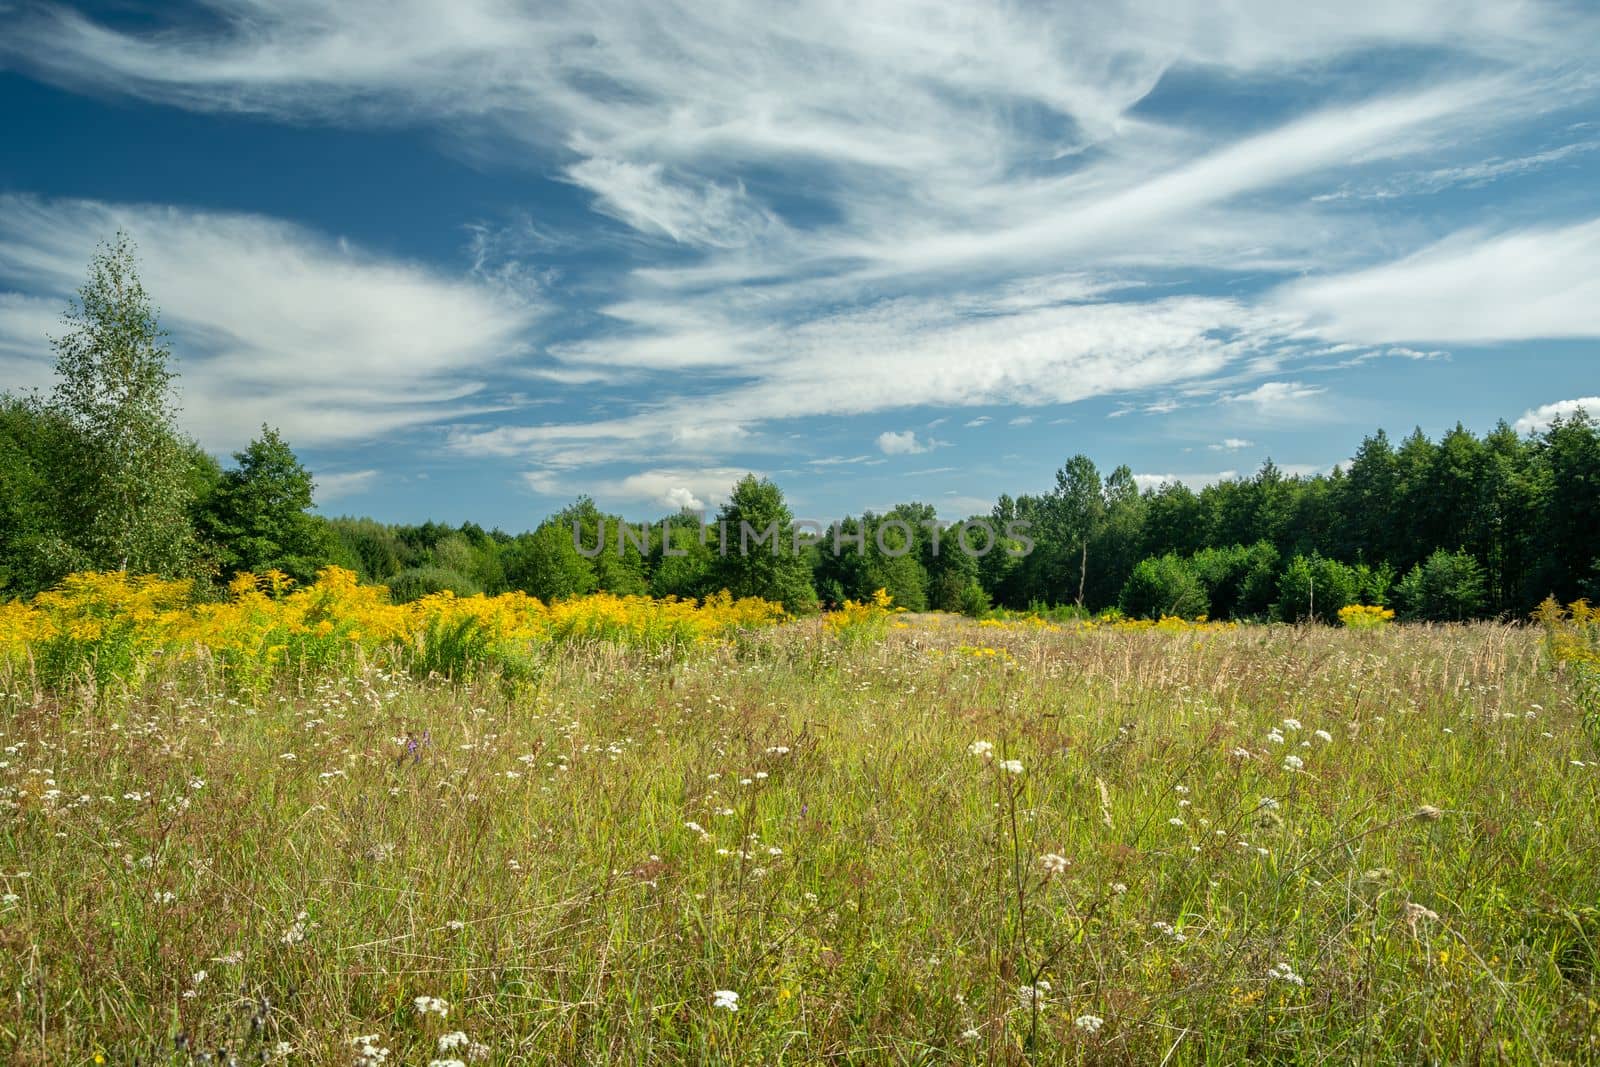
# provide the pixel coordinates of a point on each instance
(981, 749)
(1012, 765)
(1293, 763)
(1031, 996)
(431, 1006)
(1089, 1024)
(725, 998)
(1053, 863)
(1282, 972)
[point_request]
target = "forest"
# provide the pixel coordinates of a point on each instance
(97, 475)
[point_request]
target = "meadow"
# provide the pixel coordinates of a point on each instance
(326, 831)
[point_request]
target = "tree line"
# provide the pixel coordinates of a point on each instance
(95, 475)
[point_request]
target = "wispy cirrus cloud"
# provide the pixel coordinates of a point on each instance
(274, 323)
(1473, 288)
(815, 209)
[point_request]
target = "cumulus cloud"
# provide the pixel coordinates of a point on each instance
(1537, 420)
(1231, 444)
(671, 488)
(1192, 481)
(901, 443)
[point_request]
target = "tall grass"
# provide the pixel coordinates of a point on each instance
(575, 867)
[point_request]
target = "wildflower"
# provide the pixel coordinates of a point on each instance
(695, 827)
(1053, 863)
(1012, 765)
(431, 1006)
(1324, 736)
(725, 998)
(1293, 763)
(1030, 996)
(1241, 753)
(1282, 972)
(970, 1034)
(368, 1052)
(446, 1063)
(1275, 737)
(1089, 1024)
(1174, 821)
(1413, 913)
(1291, 724)
(1269, 803)
(981, 749)
(1427, 813)
(1119, 888)
(297, 930)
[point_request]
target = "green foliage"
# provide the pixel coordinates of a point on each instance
(1163, 585)
(758, 557)
(1446, 587)
(546, 564)
(414, 583)
(258, 518)
(33, 548)
(123, 469)
(1240, 581)
(681, 564)
(1315, 588)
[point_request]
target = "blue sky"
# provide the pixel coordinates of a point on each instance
(478, 258)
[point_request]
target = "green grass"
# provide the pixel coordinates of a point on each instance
(873, 894)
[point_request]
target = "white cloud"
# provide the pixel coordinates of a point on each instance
(670, 488)
(1473, 288)
(1537, 420)
(1020, 420)
(981, 420)
(273, 323)
(1231, 444)
(1193, 481)
(644, 198)
(916, 143)
(1277, 400)
(338, 484)
(901, 443)
(1470, 174)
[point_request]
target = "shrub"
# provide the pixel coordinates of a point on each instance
(414, 583)
(860, 622)
(1239, 581)
(1365, 616)
(1446, 587)
(1315, 588)
(1162, 586)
